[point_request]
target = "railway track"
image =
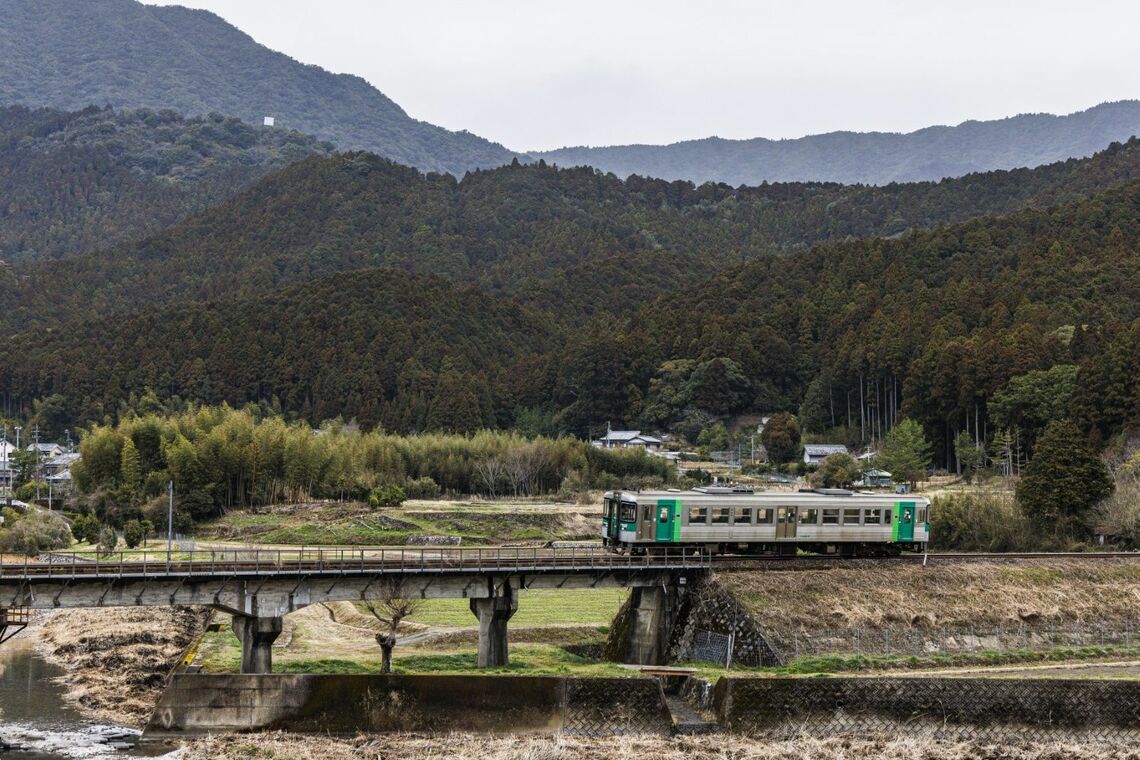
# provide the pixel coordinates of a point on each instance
(382, 560)
(734, 562)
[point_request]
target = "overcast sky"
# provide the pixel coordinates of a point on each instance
(539, 74)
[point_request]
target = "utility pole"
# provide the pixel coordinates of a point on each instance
(169, 519)
(36, 468)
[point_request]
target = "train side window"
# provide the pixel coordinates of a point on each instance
(628, 512)
(887, 517)
(809, 516)
(646, 513)
(721, 515)
(851, 516)
(874, 517)
(921, 515)
(763, 516)
(698, 515)
(743, 516)
(831, 517)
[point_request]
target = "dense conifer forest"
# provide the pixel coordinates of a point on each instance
(554, 301)
(77, 183)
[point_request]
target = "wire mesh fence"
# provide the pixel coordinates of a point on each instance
(955, 639)
(709, 646)
(943, 708)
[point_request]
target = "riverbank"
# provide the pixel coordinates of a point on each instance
(718, 747)
(116, 660)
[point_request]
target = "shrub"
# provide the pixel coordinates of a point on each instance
(1118, 516)
(108, 539)
(387, 495)
(422, 488)
(133, 534)
(981, 522)
(85, 529)
(37, 532)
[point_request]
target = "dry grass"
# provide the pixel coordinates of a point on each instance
(471, 747)
(117, 659)
(979, 594)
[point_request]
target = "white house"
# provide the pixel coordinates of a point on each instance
(627, 439)
(814, 453)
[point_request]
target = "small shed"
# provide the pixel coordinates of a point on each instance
(877, 478)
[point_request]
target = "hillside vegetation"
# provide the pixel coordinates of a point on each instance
(876, 158)
(125, 54)
(76, 183)
(564, 299)
(575, 242)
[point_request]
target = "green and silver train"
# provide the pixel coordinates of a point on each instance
(739, 521)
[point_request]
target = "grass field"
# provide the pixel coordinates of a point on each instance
(355, 524)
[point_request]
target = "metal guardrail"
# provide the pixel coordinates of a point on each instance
(365, 560)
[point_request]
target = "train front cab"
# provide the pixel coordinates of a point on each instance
(629, 519)
(911, 527)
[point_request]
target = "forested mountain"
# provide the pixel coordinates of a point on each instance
(876, 158)
(930, 324)
(74, 53)
(575, 241)
(79, 182)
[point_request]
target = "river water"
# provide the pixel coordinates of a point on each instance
(36, 721)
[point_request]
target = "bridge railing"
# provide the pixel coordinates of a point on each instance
(305, 560)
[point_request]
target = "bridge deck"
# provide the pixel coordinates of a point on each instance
(80, 566)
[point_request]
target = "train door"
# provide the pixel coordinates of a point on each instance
(646, 521)
(904, 522)
(668, 520)
(786, 520)
(614, 512)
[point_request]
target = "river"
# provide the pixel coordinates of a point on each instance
(36, 721)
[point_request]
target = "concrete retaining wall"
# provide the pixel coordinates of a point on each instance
(993, 708)
(196, 704)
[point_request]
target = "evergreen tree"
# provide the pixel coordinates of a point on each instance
(837, 470)
(1063, 481)
(906, 452)
(130, 469)
(970, 455)
(781, 437)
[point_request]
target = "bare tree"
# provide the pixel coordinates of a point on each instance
(391, 608)
(491, 471)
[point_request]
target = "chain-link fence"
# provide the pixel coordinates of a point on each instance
(953, 640)
(945, 708)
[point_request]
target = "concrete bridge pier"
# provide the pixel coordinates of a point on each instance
(493, 612)
(256, 635)
(652, 613)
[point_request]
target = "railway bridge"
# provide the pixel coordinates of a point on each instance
(257, 587)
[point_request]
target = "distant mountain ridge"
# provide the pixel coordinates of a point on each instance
(875, 158)
(69, 54)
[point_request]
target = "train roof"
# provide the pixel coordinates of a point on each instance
(722, 494)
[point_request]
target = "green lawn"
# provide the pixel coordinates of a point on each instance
(536, 608)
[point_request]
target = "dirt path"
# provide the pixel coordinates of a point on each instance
(1129, 669)
(717, 747)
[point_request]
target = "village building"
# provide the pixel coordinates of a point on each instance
(814, 453)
